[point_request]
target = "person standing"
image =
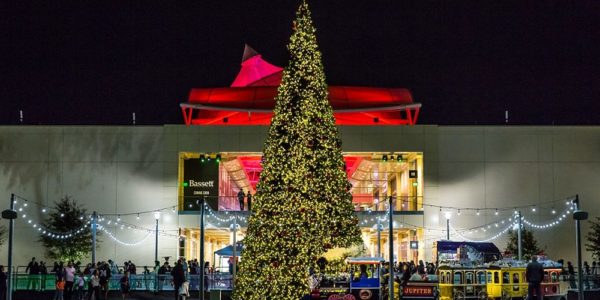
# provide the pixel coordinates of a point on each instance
(60, 288)
(534, 275)
(206, 274)
(32, 269)
(249, 200)
(3, 283)
(104, 275)
(571, 271)
(69, 280)
(178, 277)
(124, 285)
(94, 286)
(240, 196)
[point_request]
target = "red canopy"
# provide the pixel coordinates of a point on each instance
(250, 100)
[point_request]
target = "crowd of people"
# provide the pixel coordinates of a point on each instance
(75, 281)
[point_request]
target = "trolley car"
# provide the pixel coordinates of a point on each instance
(462, 282)
(365, 282)
(506, 280)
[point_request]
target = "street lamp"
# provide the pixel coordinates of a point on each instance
(448, 216)
(156, 217)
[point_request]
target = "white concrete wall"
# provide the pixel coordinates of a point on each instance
(510, 166)
(107, 169)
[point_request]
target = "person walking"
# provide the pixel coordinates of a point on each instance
(534, 275)
(178, 277)
(240, 196)
(249, 200)
(3, 283)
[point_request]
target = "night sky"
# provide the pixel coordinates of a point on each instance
(465, 61)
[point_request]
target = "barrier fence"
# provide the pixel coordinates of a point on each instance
(137, 282)
(213, 281)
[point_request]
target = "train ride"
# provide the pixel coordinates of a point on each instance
(500, 280)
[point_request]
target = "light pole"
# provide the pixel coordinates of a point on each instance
(579, 216)
(379, 236)
(519, 236)
(156, 217)
(10, 214)
(391, 244)
(448, 216)
(234, 229)
(202, 209)
(94, 232)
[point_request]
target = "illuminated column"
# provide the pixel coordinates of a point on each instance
(420, 185)
(420, 237)
(399, 197)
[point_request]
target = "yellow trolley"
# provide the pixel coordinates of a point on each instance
(462, 282)
(507, 281)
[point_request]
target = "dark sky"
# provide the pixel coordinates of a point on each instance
(465, 61)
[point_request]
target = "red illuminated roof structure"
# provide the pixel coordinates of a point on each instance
(250, 100)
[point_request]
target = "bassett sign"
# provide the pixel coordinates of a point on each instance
(200, 180)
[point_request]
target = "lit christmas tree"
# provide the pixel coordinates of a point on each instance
(68, 217)
(303, 204)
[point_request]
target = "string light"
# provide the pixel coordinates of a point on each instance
(109, 234)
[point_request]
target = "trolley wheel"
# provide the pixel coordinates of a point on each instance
(483, 295)
(505, 296)
(458, 295)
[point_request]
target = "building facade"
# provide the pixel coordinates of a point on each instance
(120, 171)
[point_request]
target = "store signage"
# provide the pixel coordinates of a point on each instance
(200, 180)
(414, 245)
(412, 174)
(416, 291)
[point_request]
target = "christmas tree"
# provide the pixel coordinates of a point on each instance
(593, 238)
(303, 204)
(2, 234)
(67, 218)
(528, 243)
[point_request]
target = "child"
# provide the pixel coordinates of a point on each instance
(60, 288)
(80, 285)
(125, 285)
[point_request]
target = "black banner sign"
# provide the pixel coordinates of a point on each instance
(200, 179)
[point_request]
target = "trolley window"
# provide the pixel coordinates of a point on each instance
(457, 278)
(448, 278)
(481, 277)
(489, 277)
(469, 278)
(516, 278)
(442, 277)
(554, 277)
(496, 277)
(546, 277)
(505, 278)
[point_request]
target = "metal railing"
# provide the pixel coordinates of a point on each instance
(137, 282)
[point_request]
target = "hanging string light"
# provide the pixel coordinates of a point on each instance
(110, 235)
